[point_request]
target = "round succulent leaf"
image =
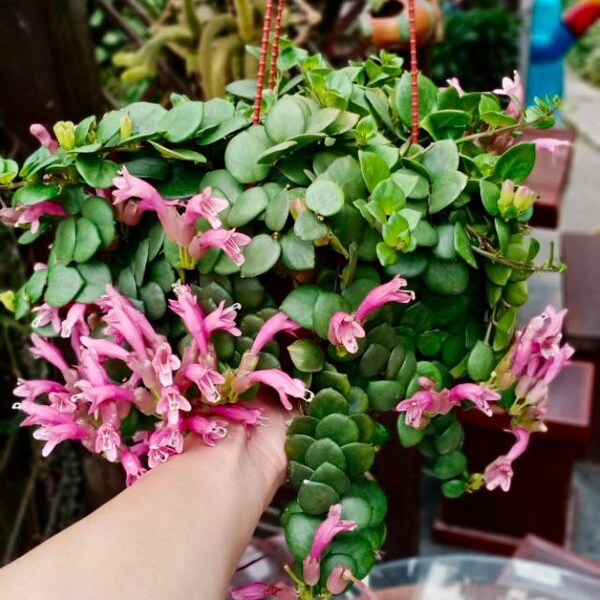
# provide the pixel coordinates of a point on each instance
(315, 498)
(383, 394)
(338, 382)
(358, 510)
(517, 293)
(126, 283)
(324, 197)
(431, 342)
(307, 356)
(409, 436)
(182, 121)
(339, 428)
(326, 305)
(332, 476)
(297, 305)
(242, 153)
(147, 167)
(359, 548)
(155, 303)
(445, 249)
(358, 401)
(260, 255)
(285, 119)
(359, 458)
(490, 194)
(296, 254)
(454, 488)
(413, 264)
(441, 156)
(309, 228)
(325, 450)
(462, 245)
(454, 350)
(389, 196)
(395, 361)
(506, 326)
(140, 261)
(374, 169)
(376, 499)
(278, 210)
(96, 171)
(96, 276)
(100, 213)
(446, 277)
(162, 273)
(374, 360)
(451, 439)
(330, 562)
(299, 533)
(446, 188)
(516, 163)
(413, 184)
(298, 473)
(248, 205)
(64, 241)
(497, 273)
(481, 362)
(64, 284)
(322, 119)
(87, 240)
(327, 401)
(366, 427)
(425, 234)
(303, 424)
(450, 465)
(296, 446)
(428, 97)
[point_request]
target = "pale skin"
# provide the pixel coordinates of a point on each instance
(177, 533)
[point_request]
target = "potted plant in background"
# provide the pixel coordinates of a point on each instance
(187, 245)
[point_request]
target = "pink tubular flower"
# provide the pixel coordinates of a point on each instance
(341, 576)
(46, 315)
(513, 88)
(479, 395)
(30, 390)
(383, 294)
(55, 434)
(97, 395)
(237, 413)
(105, 348)
(132, 465)
(345, 328)
(276, 324)
(283, 384)
(228, 240)
(43, 136)
(32, 214)
(324, 534)
(186, 306)
(163, 444)
(223, 319)
(210, 430)
(75, 322)
(207, 381)
(455, 83)
(207, 206)
(499, 473)
(49, 352)
(108, 441)
(259, 591)
(172, 399)
(164, 363)
(128, 186)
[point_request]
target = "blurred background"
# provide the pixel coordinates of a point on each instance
(71, 58)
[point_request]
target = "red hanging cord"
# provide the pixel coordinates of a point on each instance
(264, 48)
(414, 71)
(275, 47)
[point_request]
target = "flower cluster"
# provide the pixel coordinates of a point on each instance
(177, 394)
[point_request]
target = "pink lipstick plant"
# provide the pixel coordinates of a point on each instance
(318, 256)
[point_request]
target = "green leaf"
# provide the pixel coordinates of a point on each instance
(481, 362)
(383, 395)
(109, 126)
(450, 465)
(155, 303)
(260, 255)
(278, 210)
(296, 254)
(35, 193)
(308, 228)
(505, 329)
(428, 94)
(441, 157)
(64, 284)
(35, 285)
(307, 356)
(446, 277)
(285, 119)
(409, 436)
(445, 249)
(315, 498)
(396, 232)
(100, 213)
(247, 207)
(325, 306)
(87, 242)
(516, 163)
(325, 197)
(64, 242)
(147, 167)
(242, 152)
(359, 458)
(451, 439)
(490, 194)
(454, 488)
(385, 255)
(97, 172)
(243, 88)
(225, 129)
(446, 188)
(299, 303)
(179, 153)
(8, 170)
(447, 123)
(299, 534)
(96, 276)
(126, 282)
(462, 245)
(182, 121)
(374, 169)
(271, 155)
(140, 260)
(389, 196)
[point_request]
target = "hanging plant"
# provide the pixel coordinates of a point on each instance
(400, 266)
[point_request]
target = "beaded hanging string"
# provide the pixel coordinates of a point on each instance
(275, 47)
(264, 49)
(414, 71)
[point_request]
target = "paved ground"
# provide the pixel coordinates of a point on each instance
(580, 212)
